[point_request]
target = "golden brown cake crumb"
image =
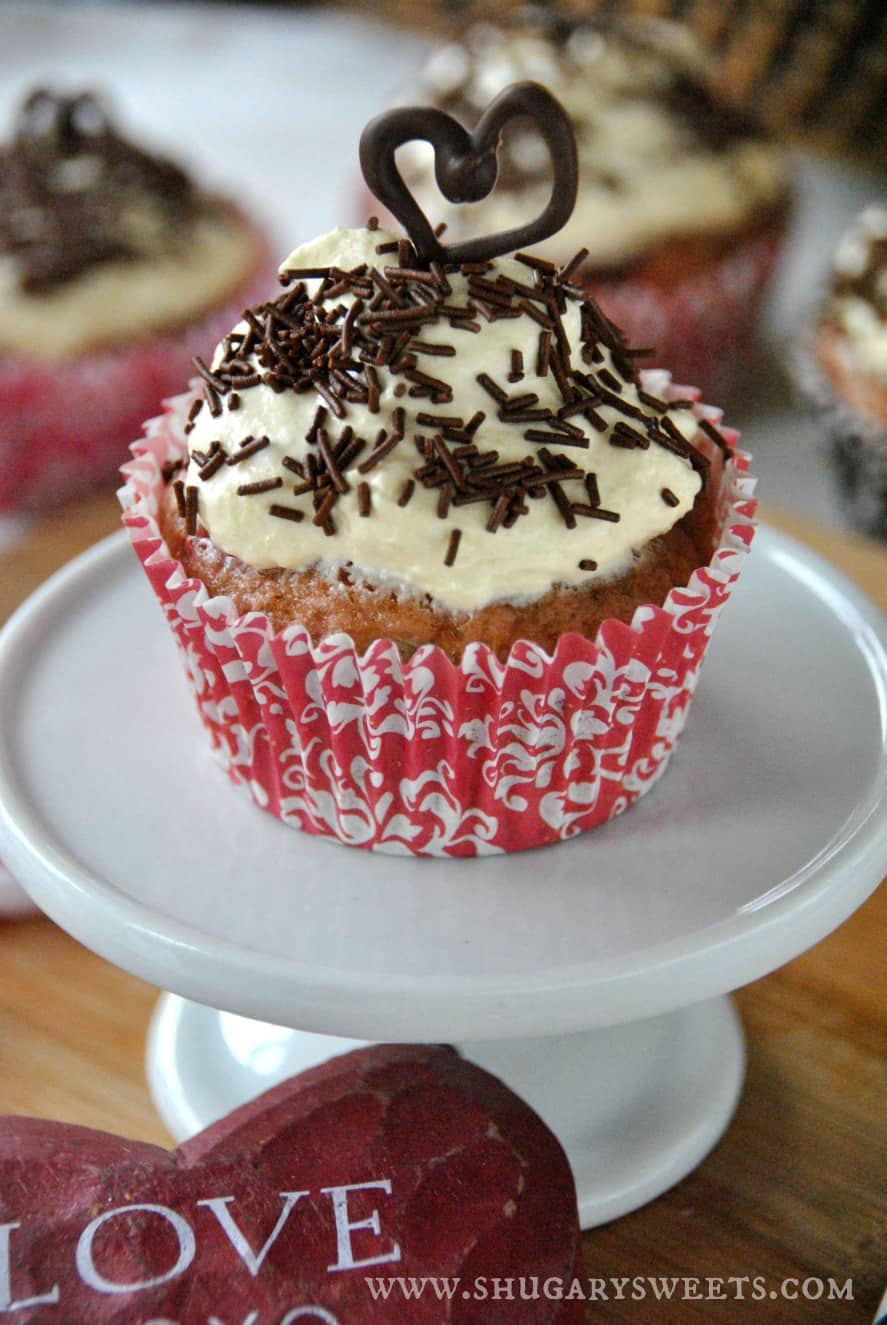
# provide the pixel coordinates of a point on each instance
(367, 613)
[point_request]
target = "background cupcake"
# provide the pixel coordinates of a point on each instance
(683, 201)
(115, 268)
(813, 73)
(842, 368)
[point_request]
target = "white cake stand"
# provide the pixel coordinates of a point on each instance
(590, 975)
(14, 901)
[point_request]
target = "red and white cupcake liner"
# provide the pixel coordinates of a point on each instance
(427, 757)
(65, 424)
(702, 326)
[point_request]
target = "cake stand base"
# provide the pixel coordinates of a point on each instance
(635, 1106)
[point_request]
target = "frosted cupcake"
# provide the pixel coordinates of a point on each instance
(115, 269)
(843, 369)
(683, 201)
(442, 564)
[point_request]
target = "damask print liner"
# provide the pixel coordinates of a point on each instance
(426, 757)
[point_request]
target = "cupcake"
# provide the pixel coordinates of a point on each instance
(815, 73)
(843, 369)
(441, 562)
(115, 269)
(683, 201)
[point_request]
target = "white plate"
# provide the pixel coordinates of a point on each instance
(767, 831)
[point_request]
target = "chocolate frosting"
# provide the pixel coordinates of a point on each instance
(69, 186)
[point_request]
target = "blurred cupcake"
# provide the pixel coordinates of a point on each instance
(115, 269)
(843, 369)
(683, 201)
(441, 563)
(815, 73)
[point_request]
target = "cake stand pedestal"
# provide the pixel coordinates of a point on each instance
(636, 1107)
(589, 975)
(14, 901)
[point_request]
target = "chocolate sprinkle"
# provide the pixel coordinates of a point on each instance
(568, 272)
(287, 513)
(596, 513)
(453, 546)
(248, 447)
(261, 485)
(214, 462)
(711, 431)
(190, 509)
(543, 357)
(491, 388)
(172, 467)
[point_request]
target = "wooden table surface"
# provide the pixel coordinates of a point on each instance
(797, 1189)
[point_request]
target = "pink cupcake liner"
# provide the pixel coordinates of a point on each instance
(703, 326)
(65, 424)
(427, 757)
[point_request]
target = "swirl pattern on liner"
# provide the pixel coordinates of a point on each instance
(471, 434)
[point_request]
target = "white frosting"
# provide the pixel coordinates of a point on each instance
(661, 181)
(863, 321)
(117, 302)
(405, 547)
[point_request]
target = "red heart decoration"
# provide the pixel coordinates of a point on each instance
(389, 1165)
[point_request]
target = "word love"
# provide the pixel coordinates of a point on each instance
(401, 1157)
(161, 1224)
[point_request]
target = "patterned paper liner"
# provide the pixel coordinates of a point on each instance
(703, 325)
(855, 444)
(65, 425)
(427, 757)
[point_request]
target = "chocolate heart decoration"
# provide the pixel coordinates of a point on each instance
(465, 168)
(62, 124)
(385, 1166)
